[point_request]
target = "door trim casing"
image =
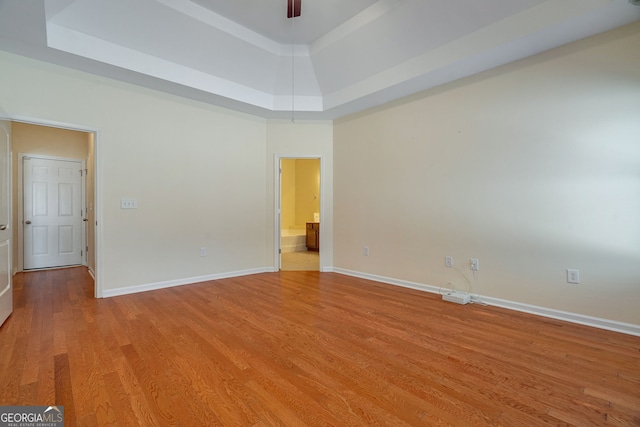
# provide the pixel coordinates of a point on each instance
(83, 203)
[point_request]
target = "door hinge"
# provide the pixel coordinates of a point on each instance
(279, 251)
(81, 253)
(80, 172)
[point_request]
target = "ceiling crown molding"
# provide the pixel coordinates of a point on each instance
(380, 51)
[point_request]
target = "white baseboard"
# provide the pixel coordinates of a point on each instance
(179, 282)
(91, 273)
(388, 280)
(610, 325)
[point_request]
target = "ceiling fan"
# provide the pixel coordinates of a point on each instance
(293, 8)
(293, 11)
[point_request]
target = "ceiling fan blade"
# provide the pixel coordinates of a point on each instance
(293, 8)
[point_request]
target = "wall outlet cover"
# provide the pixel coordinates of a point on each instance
(573, 275)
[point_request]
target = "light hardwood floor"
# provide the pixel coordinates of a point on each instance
(305, 348)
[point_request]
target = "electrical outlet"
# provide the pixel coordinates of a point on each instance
(448, 261)
(203, 251)
(573, 275)
(475, 264)
(365, 251)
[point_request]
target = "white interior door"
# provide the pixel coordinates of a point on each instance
(6, 292)
(53, 212)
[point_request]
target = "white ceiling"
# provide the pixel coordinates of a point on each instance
(337, 58)
(269, 17)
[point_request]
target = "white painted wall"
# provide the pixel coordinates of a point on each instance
(197, 171)
(298, 140)
(533, 168)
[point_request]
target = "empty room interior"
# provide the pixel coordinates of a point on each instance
(371, 212)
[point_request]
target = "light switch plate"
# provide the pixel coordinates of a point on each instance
(128, 203)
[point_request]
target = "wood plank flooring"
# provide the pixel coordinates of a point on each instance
(305, 348)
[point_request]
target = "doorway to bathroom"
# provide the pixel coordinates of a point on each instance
(300, 214)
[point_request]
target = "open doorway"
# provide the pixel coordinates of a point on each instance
(43, 143)
(299, 232)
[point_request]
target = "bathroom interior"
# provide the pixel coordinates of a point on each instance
(300, 218)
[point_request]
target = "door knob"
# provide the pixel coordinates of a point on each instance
(27, 222)
(3, 227)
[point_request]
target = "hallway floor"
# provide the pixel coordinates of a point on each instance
(301, 261)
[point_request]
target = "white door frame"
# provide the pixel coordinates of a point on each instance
(277, 261)
(98, 192)
(83, 203)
